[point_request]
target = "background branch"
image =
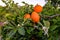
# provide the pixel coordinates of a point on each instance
(54, 15)
(46, 16)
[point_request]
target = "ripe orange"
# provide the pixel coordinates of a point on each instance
(38, 8)
(26, 16)
(35, 17)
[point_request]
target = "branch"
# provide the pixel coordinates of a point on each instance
(46, 16)
(54, 15)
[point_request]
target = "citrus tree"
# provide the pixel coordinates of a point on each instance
(28, 22)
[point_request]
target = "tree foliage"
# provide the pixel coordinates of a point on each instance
(13, 26)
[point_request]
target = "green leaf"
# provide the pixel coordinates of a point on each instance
(55, 21)
(46, 23)
(40, 33)
(11, 33)
(8, 27)
(53, 27)
(30, 30)
(21, 31)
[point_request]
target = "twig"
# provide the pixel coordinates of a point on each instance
(54, 15)
(40, 24)
(46, 16)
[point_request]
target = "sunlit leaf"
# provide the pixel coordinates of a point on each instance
(21, 31)
(53, 27)
(11, 33)
(46, 23)
(30, 30)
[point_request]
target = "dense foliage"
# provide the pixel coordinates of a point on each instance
(13, 25)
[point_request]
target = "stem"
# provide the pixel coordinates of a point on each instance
(40, 24)
(23, 22)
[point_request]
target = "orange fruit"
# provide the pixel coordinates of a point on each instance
(35, 17)
(38, 8)
(26, 16)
